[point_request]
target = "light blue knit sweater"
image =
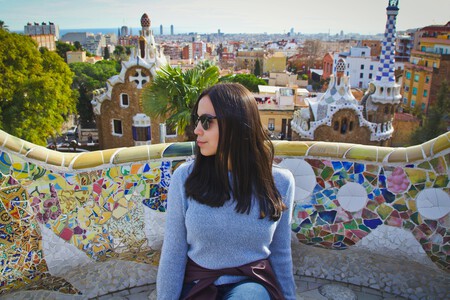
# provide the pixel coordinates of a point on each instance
(218, 237)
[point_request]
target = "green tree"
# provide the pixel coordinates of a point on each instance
(250, 81)
(3, 26)
(437, 119)
(35, 92)
(62, 48)
(87, 78)
(106, 54)
(78, 46)
(257, 71)
(173, 93)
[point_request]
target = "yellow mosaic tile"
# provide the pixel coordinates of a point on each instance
(3, 137)
(14, 143)
(362, 152)
(416, 175)
(414, 153)
(322, 149)
(108, 155)
(55, 158)
(286, 148)
(27, 146)
(87, 160)
(132, 154)
(383, 153)
(442, 142)
(156, 151)
(426, 147)
(398, 155)
(38, 153)
(68, 158)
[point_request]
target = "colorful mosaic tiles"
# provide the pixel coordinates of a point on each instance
(59, 211)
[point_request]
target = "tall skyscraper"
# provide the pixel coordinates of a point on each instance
(171, 29)
(161, 29)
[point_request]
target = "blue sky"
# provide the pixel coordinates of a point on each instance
(231, 16)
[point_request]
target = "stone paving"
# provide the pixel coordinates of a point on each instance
(320, 274)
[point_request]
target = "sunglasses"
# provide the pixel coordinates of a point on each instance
(205, 120)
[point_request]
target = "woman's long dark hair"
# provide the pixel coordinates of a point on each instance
(244, 146)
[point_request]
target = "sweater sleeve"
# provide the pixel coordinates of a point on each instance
(281, 257)
(173, 259)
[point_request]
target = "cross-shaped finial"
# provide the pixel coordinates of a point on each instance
(139, 78)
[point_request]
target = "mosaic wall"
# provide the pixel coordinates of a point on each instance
(62, 211)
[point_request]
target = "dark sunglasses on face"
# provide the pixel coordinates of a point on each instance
(205, 120)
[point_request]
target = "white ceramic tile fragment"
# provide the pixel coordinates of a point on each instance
(305, 178)
(352, 197)
(433, 203)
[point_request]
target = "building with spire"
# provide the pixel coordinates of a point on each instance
(336, 115)
(120, 119)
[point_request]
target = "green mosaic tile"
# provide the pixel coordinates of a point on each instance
(408, 225)
(441, 181)
(364, 228)
(384, 211)
(439, 165)
(327, 173)
(416, 218)
(425, 165)
(416, 175)
(351, 225)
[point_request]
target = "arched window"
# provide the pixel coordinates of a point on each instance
(344, 126)
(350, 126)
(336, 125)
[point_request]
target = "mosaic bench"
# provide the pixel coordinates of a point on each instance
(87, 224)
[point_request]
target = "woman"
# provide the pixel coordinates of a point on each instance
(229, 210)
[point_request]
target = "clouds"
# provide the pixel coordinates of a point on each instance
(232, 16)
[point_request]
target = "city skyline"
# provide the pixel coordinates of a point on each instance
(355, 16)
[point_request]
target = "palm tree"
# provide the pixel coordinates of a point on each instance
(173, 93)
(3, 26)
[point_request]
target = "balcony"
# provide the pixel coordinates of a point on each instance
(83, 225)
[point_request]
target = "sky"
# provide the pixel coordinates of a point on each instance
(231, 16)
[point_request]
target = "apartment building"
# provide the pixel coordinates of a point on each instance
(428, 66)
(44, 34)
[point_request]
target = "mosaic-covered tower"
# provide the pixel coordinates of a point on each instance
(337, 116)
(121, 121)
(383, 95)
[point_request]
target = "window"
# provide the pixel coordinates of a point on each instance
(117, 127)
(371, 67)
(124, 102)
(336, 125)
(423, 106)
(434, 65)
(425, 93)
(271, 125)
(361, 75)
(406, 88)
(344, 126)
(350, 127)
(427, 79)
(171, 130)
(416, 77)
(405, 100)
(362, 67)
(414, 91)
(141, 134)
(408, 75)
(413, 103)
(370, 76)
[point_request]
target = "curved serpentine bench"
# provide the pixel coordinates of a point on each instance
(88, 224)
